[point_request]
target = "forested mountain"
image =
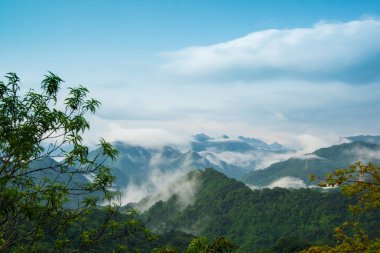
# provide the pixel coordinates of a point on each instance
(374, 139)
(202, 142)
(242, 158)
(261, 220)
(257, 220)
(319, 163)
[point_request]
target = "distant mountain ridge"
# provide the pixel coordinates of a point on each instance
(202, 142)
(373, 139)
(255, 162)
(135, 163)
(319, 163)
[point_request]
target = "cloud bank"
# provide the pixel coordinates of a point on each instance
(324, 51)
(284, 182)
(288, 182)
(301, 87)
(365, 155)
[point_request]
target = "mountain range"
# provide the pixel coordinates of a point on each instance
(254, 162)
(324, 160)
(218, 189)
(233, 157)
(203, 198)
(250, 160)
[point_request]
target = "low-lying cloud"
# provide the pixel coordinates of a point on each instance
(301, 87)
(253, 160)
(284, 182)
(363, 155)
(288, 182)
(146, 135)
(161, 185)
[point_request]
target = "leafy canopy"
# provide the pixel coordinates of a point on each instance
(201, 244)
(360, 181)
(42, 200)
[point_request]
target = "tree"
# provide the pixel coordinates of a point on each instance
(218, 245)
(290, 244)
(201, 244)
(360, 181)
(37, 192)
(166, 249)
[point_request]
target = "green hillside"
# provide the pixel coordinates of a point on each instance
(319, 163)
(256, 220)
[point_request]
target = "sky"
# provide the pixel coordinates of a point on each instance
(303, 73)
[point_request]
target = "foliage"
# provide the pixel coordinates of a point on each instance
(203, 245)
(36, 192)
(177, 239)
(362, 182)
(290, 244)
(167, 249)
(218, 245)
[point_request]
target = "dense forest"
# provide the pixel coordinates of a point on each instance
(258, 220)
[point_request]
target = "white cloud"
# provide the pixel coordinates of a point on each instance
(253, 160)
(162, 185)
(119, 130)
(364, 155)
(284, 182)
(288, 85)
(310, 143)
(308, 156)
(321, 50)
(288, 182)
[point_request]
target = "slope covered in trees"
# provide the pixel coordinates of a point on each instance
(319, 163)
(257, 220)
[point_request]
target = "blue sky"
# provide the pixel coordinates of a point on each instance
(299, 72)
